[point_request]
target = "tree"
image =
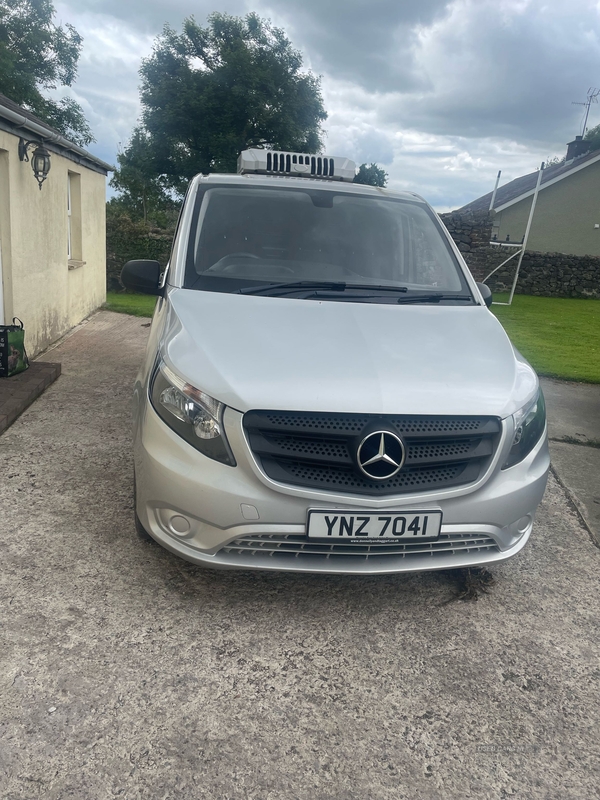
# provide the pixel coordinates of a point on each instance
(143, 194)
(128, 238)
(208, 93)
(371, 175)
(36, 55)
(593, 137)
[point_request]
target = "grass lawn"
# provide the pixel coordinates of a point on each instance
(560, 337)
(140, 305)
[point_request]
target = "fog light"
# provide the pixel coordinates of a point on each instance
(523, 524)
(179, 525)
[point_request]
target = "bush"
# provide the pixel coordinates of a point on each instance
(127, 239)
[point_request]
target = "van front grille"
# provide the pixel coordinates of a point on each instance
(296, 547)
(318, 450)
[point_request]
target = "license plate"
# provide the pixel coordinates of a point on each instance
(380, 525)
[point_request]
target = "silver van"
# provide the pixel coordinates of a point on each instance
(325, 388)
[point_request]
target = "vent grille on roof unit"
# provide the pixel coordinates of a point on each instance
(265, 162)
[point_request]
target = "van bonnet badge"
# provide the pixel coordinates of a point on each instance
(381, 455)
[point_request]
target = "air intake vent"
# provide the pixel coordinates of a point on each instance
(297, 165)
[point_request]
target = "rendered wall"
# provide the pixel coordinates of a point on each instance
(38, 285)
(564, 218)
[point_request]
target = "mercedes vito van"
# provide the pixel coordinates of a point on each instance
(325, 388)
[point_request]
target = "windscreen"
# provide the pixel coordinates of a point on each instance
(243, 236)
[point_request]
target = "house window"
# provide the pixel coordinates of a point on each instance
(74, 253)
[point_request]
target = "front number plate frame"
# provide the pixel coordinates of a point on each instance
(342, 525)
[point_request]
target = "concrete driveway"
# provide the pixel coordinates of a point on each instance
(574, 430)
(127, 673)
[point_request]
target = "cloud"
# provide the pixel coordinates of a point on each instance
(368, 43)
(447, 169)
(442, 93)
(107, 81)
(504, 69)
(473, 68)
(147, 17)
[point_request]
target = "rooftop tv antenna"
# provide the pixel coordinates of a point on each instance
(592, 97)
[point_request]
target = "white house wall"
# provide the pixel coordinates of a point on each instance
(38, 286)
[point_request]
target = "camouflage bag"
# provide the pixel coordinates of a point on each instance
(13, 357)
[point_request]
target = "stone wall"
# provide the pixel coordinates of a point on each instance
(543, 274)
(469, 230)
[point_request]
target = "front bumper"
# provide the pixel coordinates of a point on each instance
(237, 518)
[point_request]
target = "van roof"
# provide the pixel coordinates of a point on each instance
(303, 183)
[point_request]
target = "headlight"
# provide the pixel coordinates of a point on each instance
(194, 415)
(530, 422)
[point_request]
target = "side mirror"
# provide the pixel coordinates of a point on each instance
(142, 275)
(486, 293)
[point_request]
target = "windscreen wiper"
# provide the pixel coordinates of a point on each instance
(379, 298)
(432, 298)
(334, 286)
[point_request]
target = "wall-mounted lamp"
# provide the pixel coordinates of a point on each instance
(40, 160)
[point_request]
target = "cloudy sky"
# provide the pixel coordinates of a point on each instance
(441, 93)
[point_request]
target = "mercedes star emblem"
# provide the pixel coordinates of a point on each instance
(381, 455)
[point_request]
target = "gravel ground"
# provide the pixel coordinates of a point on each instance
(125, 672)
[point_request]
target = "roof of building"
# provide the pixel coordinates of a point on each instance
(18, 119)
(519, 188)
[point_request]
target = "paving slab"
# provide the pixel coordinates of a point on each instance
(128, 673)
(574, 430)
(573, 410)
(579, 470)
(19, 391)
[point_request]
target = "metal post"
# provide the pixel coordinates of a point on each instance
(506, 260)
(495, 190)
(527, 229)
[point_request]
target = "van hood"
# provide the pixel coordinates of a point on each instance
(285, 354)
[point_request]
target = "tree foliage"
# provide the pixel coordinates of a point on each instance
(143, 193)
(36, 55)
(128, 238)
(593, 137)
(208, 93)
(371, 175)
